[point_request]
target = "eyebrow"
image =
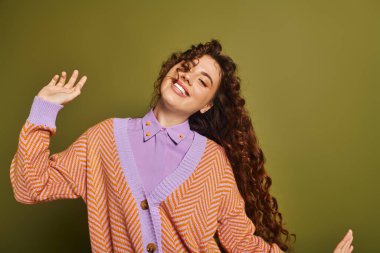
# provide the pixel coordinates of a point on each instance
(205, 74)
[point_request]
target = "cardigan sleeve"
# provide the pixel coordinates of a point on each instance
(36, 175)
(235, 230)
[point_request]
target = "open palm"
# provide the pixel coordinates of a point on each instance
(61, 93)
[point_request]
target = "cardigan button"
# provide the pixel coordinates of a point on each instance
(144, 204)
(151, 247)
(147, 123)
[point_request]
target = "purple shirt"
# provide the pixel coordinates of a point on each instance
(157, 150)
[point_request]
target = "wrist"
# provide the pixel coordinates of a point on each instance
(44, 112)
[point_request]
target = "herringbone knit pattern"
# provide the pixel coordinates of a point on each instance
(205, 203)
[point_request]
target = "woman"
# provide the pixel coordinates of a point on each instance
(187, 177)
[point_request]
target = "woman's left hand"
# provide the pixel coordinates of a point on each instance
(345, 246)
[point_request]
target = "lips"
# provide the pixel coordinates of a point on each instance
(176, 88)
(183, 86)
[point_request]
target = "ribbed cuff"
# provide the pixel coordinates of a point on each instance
(44, 112)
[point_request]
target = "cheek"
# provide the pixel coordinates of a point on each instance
(172, 72)
(166, 83)
(201, 95)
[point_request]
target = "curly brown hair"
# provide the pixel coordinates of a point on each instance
(228, 123)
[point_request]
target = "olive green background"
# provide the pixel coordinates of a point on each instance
(310, 76)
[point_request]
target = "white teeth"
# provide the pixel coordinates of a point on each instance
(180, 88)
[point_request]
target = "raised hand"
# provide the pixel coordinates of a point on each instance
(61, 93)
(345, 246)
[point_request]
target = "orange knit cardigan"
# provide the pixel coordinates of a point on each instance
(181, 215)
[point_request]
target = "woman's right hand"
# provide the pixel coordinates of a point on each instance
(61, 93)
(344, 246)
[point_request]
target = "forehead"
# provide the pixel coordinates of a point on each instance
(208, 63)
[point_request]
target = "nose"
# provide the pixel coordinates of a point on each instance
(185, 78)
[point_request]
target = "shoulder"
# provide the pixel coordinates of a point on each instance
(114, 122)
(105, 132)
(216, 151)
(103, 125)
(212, 146)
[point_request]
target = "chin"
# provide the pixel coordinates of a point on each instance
(169, 101)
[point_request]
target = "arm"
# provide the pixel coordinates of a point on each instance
(37, 176)
(235, 230)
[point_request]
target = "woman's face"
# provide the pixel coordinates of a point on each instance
(191, 91)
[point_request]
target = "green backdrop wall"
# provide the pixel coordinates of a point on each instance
(310, 75)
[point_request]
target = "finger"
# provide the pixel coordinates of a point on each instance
(351, 249)
(81, 83)
(344, 248)
(53, 80)
(62, 80)
(72, 80)
(346, 245)
(344, 240)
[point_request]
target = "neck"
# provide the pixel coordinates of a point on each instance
(167, 118)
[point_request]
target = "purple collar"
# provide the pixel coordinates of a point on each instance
(151, 126)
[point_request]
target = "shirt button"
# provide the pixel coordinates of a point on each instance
(144, 204)
(180, 136)
(151, 247)
(147, 123)
(147, 134)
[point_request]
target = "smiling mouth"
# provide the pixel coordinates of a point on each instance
(180, 88)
